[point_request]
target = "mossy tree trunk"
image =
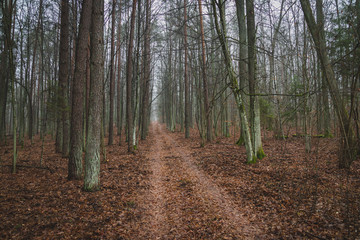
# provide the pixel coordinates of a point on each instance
(254, 104)
(232, 78)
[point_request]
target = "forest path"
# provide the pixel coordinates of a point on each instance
(183, 202)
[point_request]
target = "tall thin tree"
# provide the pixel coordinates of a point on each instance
(112, 75)
(205, 80)
(147, 72)
(64, 74)
(186, 79)
(129, 79)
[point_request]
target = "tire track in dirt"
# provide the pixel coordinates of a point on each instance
(156, 202)
(213, 195)
(182, 202)
(164, 219)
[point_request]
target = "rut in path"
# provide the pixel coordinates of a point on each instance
(183, 201)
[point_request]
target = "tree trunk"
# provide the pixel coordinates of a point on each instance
(205, 81)
(254, 102)
(92, 156)
(64, 74)
(8, 8)
(119, 84)
(4, 74)
(112, 75)
(129, 79)
(240, 10)
(147, 73)
(186, 80)
(75, 166)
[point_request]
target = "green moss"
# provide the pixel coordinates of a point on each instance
(241, 141)
(135, 147)
(328, 135)
(254, 158)
(91, 188)
(282, 136)
(129, 204)
(260, 153)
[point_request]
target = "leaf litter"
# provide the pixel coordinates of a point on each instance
(174, 189)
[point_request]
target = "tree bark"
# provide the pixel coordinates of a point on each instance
(112, 75)
(64, 74)
(8, 12)
(240, 10)
(186, 80)
(75, 166)
(119, 85)
(4, 75)
(254, 102)
(147, 73)
(205, 80)
(129, 79)
(92, 156)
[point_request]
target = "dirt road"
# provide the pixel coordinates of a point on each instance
(183, 202)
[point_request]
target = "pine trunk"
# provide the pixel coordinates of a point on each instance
(92, 156)
(75, 166)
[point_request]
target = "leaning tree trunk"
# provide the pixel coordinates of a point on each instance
(347, 151)
(92, 156)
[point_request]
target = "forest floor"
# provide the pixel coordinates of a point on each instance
(174, 189)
